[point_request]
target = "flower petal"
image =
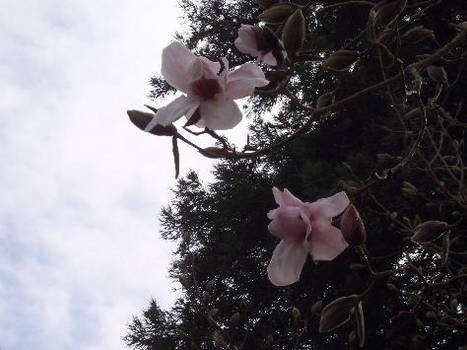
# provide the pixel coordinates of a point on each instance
(277, 193)
(269, 58)
(287, 224)
(179, 66)
(242, 81)
(210, 68)
(220, 115)
(328, 207)
(325, 241)
(172, 112)
(289, 199)
(287, 263)
(246, 40)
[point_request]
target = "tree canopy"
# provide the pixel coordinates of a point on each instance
(393, 139)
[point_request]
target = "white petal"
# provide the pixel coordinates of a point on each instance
(328, 207)
(220, 115)
(287, 263)
(242, 81)
(269, 58)
(325, 241)
(246, 40)
(179, 66)
(172, 112)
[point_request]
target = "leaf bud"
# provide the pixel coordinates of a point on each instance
(429, 231)
(296, 313)
(235, 318)
(418, 34)
(340, 60)
(408, 189)
(266, 3)
(316, 308)
(214, 152)
(142, 119)
(337, 313)
(293, 34)
(278, 13)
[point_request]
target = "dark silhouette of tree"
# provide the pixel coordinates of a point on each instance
(399, 156)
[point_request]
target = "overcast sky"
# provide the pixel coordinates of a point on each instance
(81, 187)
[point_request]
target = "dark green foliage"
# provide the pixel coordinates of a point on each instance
(221, 228)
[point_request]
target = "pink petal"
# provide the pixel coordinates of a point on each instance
(277, 193)
(220, 115)
(172, 112)
(269, 58)
(328, 207)
(210, 68)
(246, 40)
(287, 263)
(325, 241)
(289, 199)
(242, 81)
(287, 224)
(179, 66)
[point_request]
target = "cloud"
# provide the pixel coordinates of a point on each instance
(80, 186)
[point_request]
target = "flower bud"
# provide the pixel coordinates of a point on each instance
(269, 339)
(293, 34)
(278, 13)
(337, 313)
(340, 60)
(429, 231)
(142, 119)
(352, 226)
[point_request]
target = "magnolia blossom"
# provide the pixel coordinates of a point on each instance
(259, 42)
(209, 89)
(304, 228)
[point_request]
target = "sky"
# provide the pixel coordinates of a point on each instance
(80, 186)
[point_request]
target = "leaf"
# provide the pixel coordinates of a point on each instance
(176, 156)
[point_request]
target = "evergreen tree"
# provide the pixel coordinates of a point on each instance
(399, 155)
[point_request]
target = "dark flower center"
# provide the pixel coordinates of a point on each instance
(206, 88)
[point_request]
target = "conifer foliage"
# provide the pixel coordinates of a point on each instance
(366, 97)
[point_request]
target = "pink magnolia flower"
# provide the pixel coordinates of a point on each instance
(259, 42)
(304, 228)
(209, 89)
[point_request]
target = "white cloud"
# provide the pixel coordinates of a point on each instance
(80, 185)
